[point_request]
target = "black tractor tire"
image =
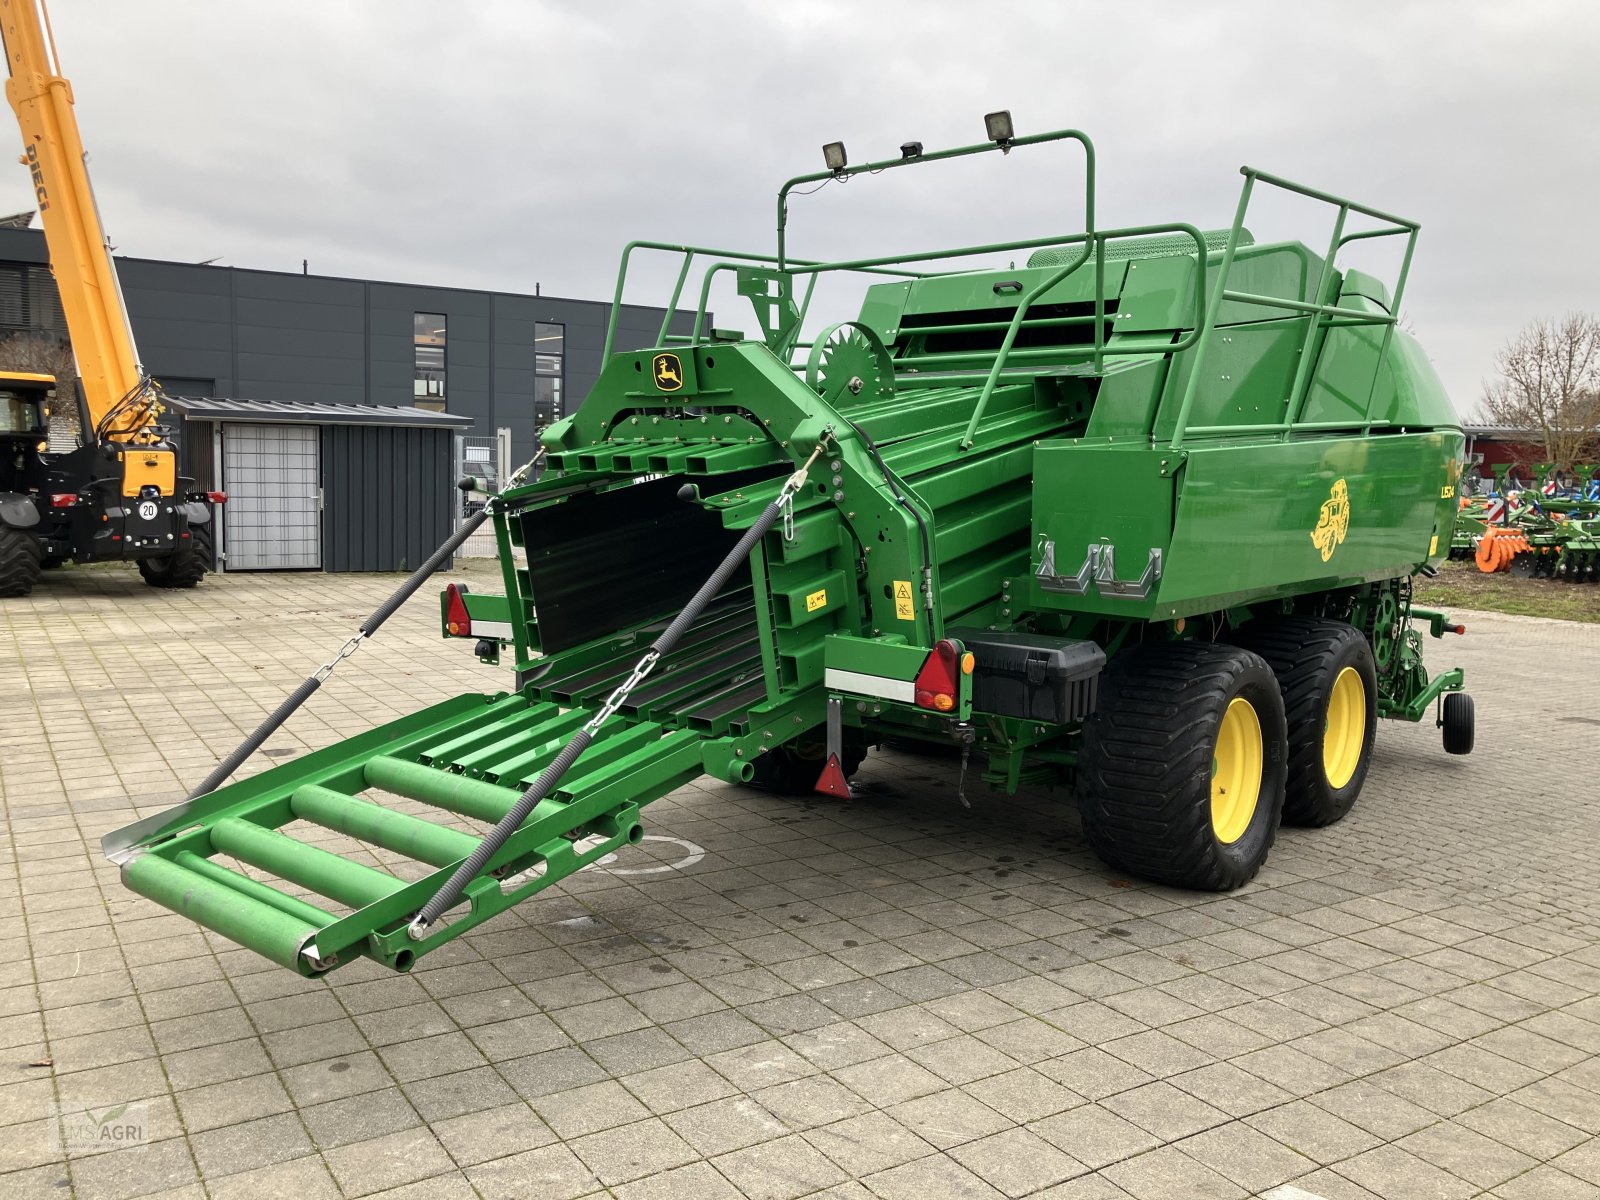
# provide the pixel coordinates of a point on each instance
(205, 546)
(184, 568)
(1149, 755)
(1460, 723)
(1309, 656)
(793, 769)
(20, 562)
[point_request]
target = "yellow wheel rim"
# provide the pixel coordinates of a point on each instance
(1236, 771)
(1345, 734)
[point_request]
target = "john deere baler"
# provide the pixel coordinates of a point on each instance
(1137, 518)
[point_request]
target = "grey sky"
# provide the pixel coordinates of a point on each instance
(498, 144)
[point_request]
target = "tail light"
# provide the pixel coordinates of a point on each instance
(217, 497)
(63, 499)
(456, 621)
(938, 684)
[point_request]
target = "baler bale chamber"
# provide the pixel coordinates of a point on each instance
(1137, 519)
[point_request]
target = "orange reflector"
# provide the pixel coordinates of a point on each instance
(968, 661)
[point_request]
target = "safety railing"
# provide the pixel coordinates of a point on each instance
(783, 335)
(770, 281)
(1323, 314)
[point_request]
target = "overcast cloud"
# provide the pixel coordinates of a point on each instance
(494, 145)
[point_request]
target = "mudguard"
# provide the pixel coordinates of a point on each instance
(18, 511)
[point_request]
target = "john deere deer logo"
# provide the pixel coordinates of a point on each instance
(667, 371)
(1334, 521)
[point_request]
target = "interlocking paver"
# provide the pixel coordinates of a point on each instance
(899, 997)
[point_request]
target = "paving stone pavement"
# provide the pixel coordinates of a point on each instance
(896, 997)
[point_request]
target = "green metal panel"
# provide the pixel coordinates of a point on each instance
(1247, 518)
(1072, 481)
(1246, 377)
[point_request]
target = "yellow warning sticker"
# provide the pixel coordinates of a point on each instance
(1433, 546)
(817, 600)
(904, 608)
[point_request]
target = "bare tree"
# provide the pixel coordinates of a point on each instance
(1549, 387)
(44, 354)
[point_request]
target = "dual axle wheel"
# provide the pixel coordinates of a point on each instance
(1200, 749)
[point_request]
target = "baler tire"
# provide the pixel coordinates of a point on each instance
(181, 569)
(20, 562)
(792, 769)
(1309, 656)
(1460, 723)
(1149, 753)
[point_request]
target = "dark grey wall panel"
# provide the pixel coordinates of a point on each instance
(388, 496)
(264, 335)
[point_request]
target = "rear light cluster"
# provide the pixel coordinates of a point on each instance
(63, 499)
(217, 497)
(938, 684)
(456, 620)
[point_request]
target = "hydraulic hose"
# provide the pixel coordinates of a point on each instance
(445, 898)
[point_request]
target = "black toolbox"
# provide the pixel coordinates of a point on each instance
(1032, 675)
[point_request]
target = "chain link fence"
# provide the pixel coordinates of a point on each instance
(488, 459)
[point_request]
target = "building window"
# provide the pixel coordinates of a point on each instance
(428, 338)
(549, 351)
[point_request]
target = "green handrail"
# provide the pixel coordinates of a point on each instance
(1323, 314)
(1098, 241)
(938, 156)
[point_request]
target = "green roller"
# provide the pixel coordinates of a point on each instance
(443, 789)
(221, 909)
(289, 905)
(324, 873)
(373, 823)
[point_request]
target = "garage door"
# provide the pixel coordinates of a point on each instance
(273, 517)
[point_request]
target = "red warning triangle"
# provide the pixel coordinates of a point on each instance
(832, 781)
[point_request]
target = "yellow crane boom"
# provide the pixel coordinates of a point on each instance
(118, 393)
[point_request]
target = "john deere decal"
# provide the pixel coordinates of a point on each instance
(667, 372)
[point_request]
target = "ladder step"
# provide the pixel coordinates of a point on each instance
(442, 789)
(220, 908)
(322, 872)
(396, 831)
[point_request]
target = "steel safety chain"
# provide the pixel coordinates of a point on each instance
(345, 651)
(620, 695)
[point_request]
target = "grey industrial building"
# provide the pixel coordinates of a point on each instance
(296, 352)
